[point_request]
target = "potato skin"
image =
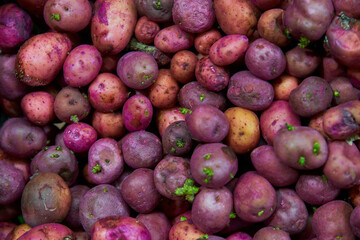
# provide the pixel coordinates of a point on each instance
(164, 117)
(185, 231)
(109, 125)
(172, 39)
(182, 66)
(205, 40)
(271, 233)
(12, 183)
(110, 33)
(283, 86)
(50, 50)
(235, 17)
(301, 62)
(157, 223)
(244, 130)
(146, 30)
(38, 107)
(48, 231)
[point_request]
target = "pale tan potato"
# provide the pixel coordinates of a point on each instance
(164, 117)
(185, 231)
(244, 131)
(283, 86)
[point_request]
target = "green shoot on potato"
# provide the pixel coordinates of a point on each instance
(183, 219)
(188, 190)
(185, 111)
(324, 178)
(146, 114)
(276, 228)
(260, 213)
(96, 168)
(202, 97)
(207, 156)
(336, 93)
(180, 143)
(204, 236)
(316, 148)
(304, 42)
(45, 148)
(231, 175)
(232, 215)
(302, 161)
(352, 139)
(56, 17)
(287, 33)
(58, 148)
(55, 155)
(289, 127)
(74, 119)
(209, 173)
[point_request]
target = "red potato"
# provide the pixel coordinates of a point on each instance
(73, 219)
(67, 15)
(266, 4)
(49, 231)
(107, 93)
(109, 63)
(50, 50)
(172, 39)
(164, 117)
(79, 137)
(137, 113)
(301, 62)
(283, 86)
(82, 65)
(146, 30)
(182, 66)
(12, 183)
(110, 33)
(205, 40)
(350, 7)
(38, 107)
(108, 125)
(228, 49)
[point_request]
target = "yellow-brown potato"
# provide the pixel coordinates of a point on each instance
(163, 93)
(244, 131)
(185, 231)
(269, 27)
(204, 40)
(182, 66)
(18, 231)
(283, 86)
(108, 125)
(235, 17)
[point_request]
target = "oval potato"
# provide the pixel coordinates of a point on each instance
(185, 231)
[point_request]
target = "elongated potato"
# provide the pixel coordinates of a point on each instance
(113, 24)
(41, 58)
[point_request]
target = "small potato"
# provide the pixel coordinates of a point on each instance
(163, 93)
(283, 86)
(50, 50)
(172, 39)
(270, 27)
(235, 17)
(49, 231)
(73, 219)
(331, 69)
(271, 233)
(108, 125)
(110, 33)
(244, 130)
(343, 90)
(228, 49)
(137, 113)
(38, 107)
(67, 15)
(18, 231)
(157, 223)
(182, 66)
(301, 62)
(164, 117)
(177, 140)
(12, 183)
(205, 40)
(146, 30)
(317, 123)
(355, 221)
(158, 11)
(79, 137)
(185, 231)
(109, 63)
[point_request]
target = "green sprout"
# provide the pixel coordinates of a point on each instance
(183, 218)
(287, 33)
(47, 142)
(326, 40)
(260, 213)
(58, 148)
(316, 148)
(324, 178)
(209, 173)
(204, 236)
(146, 114)
(289, 127)
(345, 21)
(338, 237)
(276, 228)
(231, 175)
(72, 152)
(147, 77)
(336, 93)
(302, 161)
(185, 110)
(55, 155)
(314, 208)
(202, 96)
(158, 5)
(56, 17)
(207, 156)
(74, 118)
(107, 160)
(45, 148)
(172, 149)
(232, 215)
(57, 37)
(188, 190)
(105, 190)
(217, 199)
(180, 143)
(304, 42)
(179, 35)
(96, 168)
(21, 219)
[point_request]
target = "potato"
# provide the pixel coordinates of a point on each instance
(163, 92)
(177, 139)
(38, 107)
(266, 4)
(291, 214)
(244, 130)
(250, 92)
(35, 7)
(271, 233)
(157, 223)
(349, 7)
(49, 231)
(331, 69)
(12, 183)
(107, 93)
(79, 137)
(193, 16)
(275, 117)
(109, 63)
(18, 231)
(228, 49)
(108, 125)
(109, 33)
(254, 197)
(46, 199)
(159, 11)
(354, 195)
(205, 40)
(173, 208)
(16, 27)
(119, 227)
(164, 117)
(73, 219)
(185, 231)
(312, 96)
(82, 65)
(50, 50)
(239, 236)
(355, 221)
(343, 90)
(146, 30)
(301, 62)
(172, 39)
(268, 165)
(137, 113)
(332, 221)
(283, 86)
(301, 147)
(265, 60)
(67, 15)
(10, 211)
(182, 66)
(235, 17)
(210, 76)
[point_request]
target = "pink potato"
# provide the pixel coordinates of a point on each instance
(110, 33)
(172, 39)
(38, 107)
(5, 229)
(146, 30)
(157, 223)
(79, 137)
(164, 117)
(119, 227)
(49, 231)
(82, 65)
(137, 113)
(41, 58)
(67, 15)
(228, 49)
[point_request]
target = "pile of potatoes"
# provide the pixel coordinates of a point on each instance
(180, 119)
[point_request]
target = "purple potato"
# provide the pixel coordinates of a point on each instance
(177, 140)
(137, 113)
(12, 183)
(355, 221)
(239, 236)
(77, 193)
(157, 223)
(271, 233)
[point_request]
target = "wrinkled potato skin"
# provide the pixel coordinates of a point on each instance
(235, 17)
(146, 30)
(41, 58)
(110, 33)
(184, 231)
(244, 130)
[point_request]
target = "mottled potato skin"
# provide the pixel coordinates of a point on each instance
(163, 93)
(271, 233)
(146, 30)
(292, 145)
(172, 39)
(283, 86)
(18, 231)
(137, 113)
(210, 76)
(301, 62)
(38, 107)
(182, 66)
(46, 199)
(49, 231)
(12, 183)
(333, 219)
(157, 223)
(185, 231)
(109, 125)
(244, 130)
(110, 33)
(205, 40)
(157, 11)
(41, 58)
(235, 17)
(73, 15)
